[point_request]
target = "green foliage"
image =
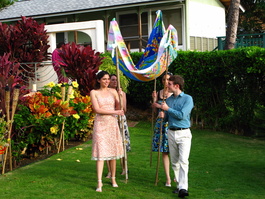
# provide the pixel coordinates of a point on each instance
(3, 131)
(226, 87)
(252, 20)
(258, 124)
(43, 116)
(4, 3)
(107, 65)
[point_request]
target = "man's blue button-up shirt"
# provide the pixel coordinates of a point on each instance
(178, 114)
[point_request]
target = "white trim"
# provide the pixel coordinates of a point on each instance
(57, 21)
(95, 29)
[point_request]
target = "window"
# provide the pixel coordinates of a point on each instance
(130, 30)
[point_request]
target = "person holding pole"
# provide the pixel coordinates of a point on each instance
(159, 97)
(177, 112)
(114, 84)
(107, 140)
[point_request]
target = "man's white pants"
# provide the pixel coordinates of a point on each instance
(179, 148)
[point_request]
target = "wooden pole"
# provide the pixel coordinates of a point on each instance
(62, 130)
(14, 107)
(121, 118)
(152, 127)
(63, 91)
(7, 107)
(69, 93)
(161, 125)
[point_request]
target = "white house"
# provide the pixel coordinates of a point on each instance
(198, 22)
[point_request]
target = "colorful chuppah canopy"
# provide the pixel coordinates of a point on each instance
(160, 52)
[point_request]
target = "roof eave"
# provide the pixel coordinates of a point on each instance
(89, 10)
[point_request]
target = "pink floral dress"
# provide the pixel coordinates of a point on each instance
(107, 140)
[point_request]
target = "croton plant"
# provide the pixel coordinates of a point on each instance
(81, 64)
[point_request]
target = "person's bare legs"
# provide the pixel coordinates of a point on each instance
(100, 166)
(166, 163)
(113, 172)
(109, 170)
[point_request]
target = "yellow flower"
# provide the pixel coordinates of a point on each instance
(76, 116)
(58, 94)
(75, 84)
(59, 85)
(54, 129)
(51, 84)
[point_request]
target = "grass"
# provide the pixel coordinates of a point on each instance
(221, 166)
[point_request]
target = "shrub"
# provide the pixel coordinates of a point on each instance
(42, 115)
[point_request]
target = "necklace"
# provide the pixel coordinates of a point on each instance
(164, 94)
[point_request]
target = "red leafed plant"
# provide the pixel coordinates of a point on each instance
(81, 64)
(9, 75)
(26, 41)
(34, 41)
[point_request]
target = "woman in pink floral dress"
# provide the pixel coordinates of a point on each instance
(107, 141)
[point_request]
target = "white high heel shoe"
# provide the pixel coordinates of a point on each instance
(114, 185)
(99, 189)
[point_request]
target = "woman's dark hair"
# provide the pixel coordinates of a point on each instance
(166, 73)
(59, 45)
(98, 77)
(113, 75)
(169, 73)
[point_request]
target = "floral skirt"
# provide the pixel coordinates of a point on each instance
(156, 138)
(126, 133)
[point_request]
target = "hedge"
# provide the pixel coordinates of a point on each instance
(227, 87)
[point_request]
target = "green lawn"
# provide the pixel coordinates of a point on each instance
(221, 166)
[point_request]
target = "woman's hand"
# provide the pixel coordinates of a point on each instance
(154, 94)
(119, 112)
(156, 105)
(164, 106)
(120, 92)
(161, 114)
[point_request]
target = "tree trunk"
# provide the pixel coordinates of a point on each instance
(232, 23)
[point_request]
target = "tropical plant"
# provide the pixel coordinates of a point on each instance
(80, 64)
(27, 42)
(42, 115)
(9, 76)
(81, 126)
(3, 132)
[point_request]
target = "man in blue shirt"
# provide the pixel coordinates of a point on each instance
(177, 112)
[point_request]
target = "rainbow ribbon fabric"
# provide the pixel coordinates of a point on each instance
(160, 52)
